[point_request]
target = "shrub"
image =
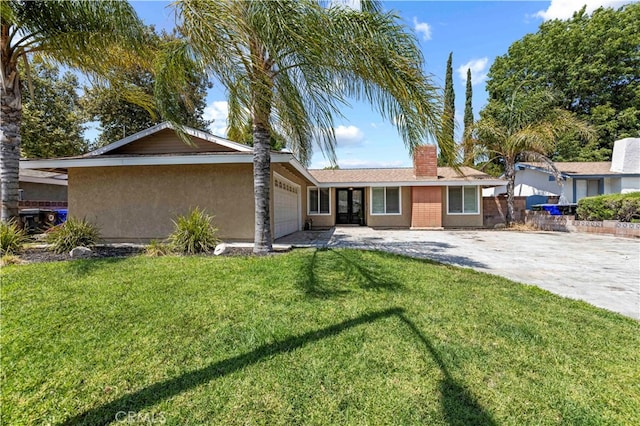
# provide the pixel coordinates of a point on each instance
(12, 237)
(9, 259)
(71, 234)
(157, 248)
(622, 207)
(194, 233)
(629, 209)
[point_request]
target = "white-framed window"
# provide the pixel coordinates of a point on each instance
(463, 200)
(318, 201)
(386, 200)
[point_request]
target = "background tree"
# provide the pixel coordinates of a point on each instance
(79, 34)
(118, 116)
(467, 144)
(52, 120)
(245, 135)
(289, 66)
(449, 114)
(592, 63)
(524, 128)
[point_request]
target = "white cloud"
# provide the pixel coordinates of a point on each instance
(564, 9)
(478, 70)
(422, 28)
(348, 136)
(218, 111)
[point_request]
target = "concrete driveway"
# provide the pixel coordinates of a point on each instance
(601, 270)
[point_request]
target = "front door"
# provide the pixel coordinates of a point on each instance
(350, 206)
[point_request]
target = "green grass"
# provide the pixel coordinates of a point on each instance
(310, 337)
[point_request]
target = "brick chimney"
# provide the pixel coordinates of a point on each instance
(425, 161)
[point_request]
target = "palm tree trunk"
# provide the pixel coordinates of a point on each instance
(11, 117)
(262, 189)
(510, 175)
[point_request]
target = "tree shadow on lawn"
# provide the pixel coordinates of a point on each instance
(331, 274)
(82, 267)
(458, 404)
(428, 250)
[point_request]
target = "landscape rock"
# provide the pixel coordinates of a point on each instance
(500, 226)
(220, 249)
(80, 253)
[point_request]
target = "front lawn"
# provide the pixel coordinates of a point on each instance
(311, 337)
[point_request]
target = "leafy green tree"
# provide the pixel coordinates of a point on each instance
(245, 135)
(53, 121)
(288, 67)
(119, 116)
(448, 116)
(525, 127)
(467, 144)
(593, 65)
(80, 34)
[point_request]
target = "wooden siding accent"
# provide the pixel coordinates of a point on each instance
(167, 142)
(494, 210)
(426, 211)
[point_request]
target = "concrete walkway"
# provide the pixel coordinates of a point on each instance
(601, 270)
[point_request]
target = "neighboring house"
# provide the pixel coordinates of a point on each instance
(36, 187)
(580, 179)
(134, 188)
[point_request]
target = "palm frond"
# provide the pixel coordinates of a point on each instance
(546, 162)
(76, 33)
(278, 50)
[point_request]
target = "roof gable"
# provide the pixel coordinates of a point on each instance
(163, 139)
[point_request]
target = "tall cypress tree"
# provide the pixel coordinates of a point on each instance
(448, 117)
(467, 143)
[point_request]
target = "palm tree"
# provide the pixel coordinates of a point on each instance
(527, 127)
(288, 68)
(86, 35)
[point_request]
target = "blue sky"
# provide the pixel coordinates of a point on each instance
(475, 31)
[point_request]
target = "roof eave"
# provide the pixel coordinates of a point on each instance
(296, 165)
(45, 181)
(442, 182)
(150, 160)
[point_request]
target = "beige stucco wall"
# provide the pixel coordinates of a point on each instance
(42, 191)
(321, 220)
(139, 203)
(461, 220)
(391, 221)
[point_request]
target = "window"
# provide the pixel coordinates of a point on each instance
(385, 200)
(593, 187)
(319, 201)
(462, 200)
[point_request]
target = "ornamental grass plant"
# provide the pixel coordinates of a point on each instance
(73, 233)
(12, 237)
(194, 233)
